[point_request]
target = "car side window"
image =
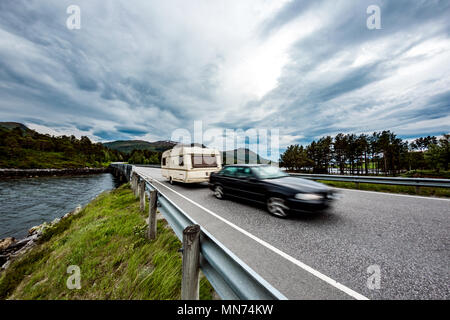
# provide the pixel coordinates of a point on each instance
(229, 171)
(243, 172)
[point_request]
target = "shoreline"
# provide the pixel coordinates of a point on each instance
(12, 248)
(32, 173)
(107, 240)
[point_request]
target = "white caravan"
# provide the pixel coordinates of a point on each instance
(190, 164)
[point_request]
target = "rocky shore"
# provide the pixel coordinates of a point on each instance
(16, 173)
(10, 248)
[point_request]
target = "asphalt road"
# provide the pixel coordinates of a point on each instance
(406, 236)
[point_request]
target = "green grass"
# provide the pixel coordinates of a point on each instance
(424, 191)
(107, 241)
(427, 174)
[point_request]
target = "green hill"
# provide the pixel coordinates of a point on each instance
(14, 125)
(239, 155)
(23, 148)
(127, 146)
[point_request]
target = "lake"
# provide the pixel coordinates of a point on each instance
(27, 202)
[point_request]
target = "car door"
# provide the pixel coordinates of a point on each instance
(249, 185)
(229, 180)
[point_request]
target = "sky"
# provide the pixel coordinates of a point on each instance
(142, 69)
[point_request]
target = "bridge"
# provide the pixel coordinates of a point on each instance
(329, 255)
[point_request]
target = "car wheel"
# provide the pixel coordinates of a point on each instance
(218, 192)
(277, 207)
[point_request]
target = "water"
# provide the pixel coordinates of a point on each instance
(28, 202)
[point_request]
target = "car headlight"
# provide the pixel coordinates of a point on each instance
(308, 196)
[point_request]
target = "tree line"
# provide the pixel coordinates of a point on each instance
(144, 157)
(379, 153)
(26, 149)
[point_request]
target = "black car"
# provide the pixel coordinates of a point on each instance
(282, 193)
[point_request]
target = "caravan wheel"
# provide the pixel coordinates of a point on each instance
(171, 180)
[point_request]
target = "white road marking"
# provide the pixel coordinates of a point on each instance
(300, 264)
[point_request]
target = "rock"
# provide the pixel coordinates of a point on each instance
(6, 264)
(3, 259)
(33, 230)
(38, 229)
(77, 210)
(21, 243)
(6, 243)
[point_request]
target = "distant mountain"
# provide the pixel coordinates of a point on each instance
(13, 125)
(239, 155)
(129, 145)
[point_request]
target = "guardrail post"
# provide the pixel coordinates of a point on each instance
(142, 195)
(418, 189)
(152, 214)
(136, 189)
(191, 255)
(133, 182)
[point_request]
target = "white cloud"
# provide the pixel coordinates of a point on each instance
(311, 70)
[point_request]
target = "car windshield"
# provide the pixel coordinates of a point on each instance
(269, 172)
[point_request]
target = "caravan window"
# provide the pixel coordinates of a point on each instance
(180, 161)
(204, 161)
(163, 161)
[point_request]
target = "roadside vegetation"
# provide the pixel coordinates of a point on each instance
(107, 241)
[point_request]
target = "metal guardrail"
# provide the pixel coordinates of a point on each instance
(232, 278)
(148, 165)
(415, 182)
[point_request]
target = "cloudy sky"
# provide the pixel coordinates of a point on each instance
(141, 69)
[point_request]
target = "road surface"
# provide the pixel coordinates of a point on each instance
(327, 255)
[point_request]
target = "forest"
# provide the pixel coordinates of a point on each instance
(144, 157)
(24, 148)
(381, 153)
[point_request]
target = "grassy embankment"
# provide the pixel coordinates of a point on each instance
(107, 241)
(424, 191)
(426, 174)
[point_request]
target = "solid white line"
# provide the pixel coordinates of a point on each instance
(300, 264)
(394, 194)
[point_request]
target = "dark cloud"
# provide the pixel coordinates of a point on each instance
(111, 135)
(138, 68)
(132, 131)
